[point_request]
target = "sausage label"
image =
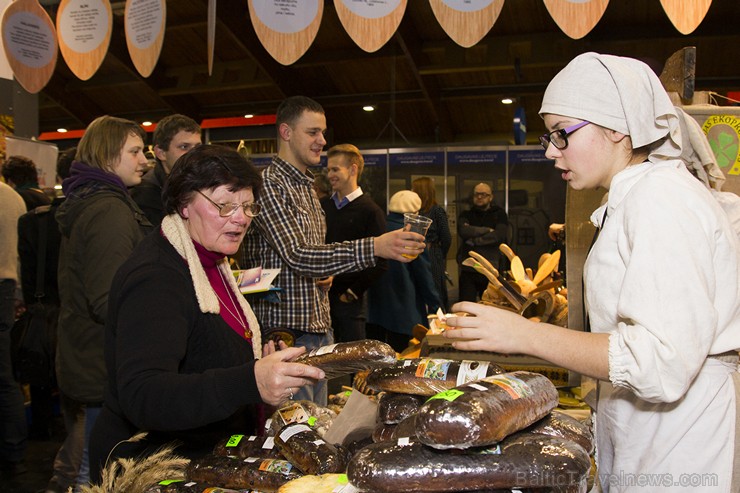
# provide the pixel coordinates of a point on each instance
(290, 431)
(275, 465)
(433, 369)
(322, 350)
(515, 387)
(294, 413)
(471, 371)
(234, 440)
(448, 395)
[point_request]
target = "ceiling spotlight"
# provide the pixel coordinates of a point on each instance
(507, 101)
(147, 124)
(61, 130)
(249, 115)
(368, 108)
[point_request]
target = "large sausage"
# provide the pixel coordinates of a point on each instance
(559, 424)
(523, 461)
(394, 408)
(405, 429)
(428, 376)
(243, 446)
(484, 412)
(305, 448)
(266, 475)
(345, 358)
(192, 487)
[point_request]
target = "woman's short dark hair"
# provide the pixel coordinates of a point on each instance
(21, 171)
(204, 168)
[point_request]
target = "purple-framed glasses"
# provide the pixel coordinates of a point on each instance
(559, 138)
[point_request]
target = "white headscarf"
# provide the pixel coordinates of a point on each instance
(617, 93)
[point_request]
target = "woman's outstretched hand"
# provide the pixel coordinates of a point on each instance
(278, 378)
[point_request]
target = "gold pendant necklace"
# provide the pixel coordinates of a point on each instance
(239, 317)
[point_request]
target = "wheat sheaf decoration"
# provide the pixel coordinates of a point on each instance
(140, 474)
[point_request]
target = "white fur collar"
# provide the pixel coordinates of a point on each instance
(176, 232)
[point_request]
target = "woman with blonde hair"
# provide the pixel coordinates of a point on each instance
(438, 237)
(100, 226)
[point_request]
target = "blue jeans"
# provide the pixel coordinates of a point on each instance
(69, 456)
(83, 477)
(13, 424)
(317, 393)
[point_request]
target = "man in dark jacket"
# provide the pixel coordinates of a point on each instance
(20, 173)
(174, 136)
(69, 456)
(350, 215)
(482, 229)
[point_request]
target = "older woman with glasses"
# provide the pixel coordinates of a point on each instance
(183, 351)
(662, 287)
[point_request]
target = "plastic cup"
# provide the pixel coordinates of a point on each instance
(416, 223)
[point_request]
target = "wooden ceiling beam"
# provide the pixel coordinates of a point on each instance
(409, 42)
(550, 50)
(155, 82)
(81, 110)
(239, 30)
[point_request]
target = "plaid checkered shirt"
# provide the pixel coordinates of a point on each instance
(289, 234)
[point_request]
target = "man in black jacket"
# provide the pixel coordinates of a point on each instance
(350, 215)
(20, 173)
(482, 229)
(174, 136)
(69, 456)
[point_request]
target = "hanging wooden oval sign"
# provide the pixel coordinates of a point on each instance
(370, 24)
(84, 28)
(145, 22)
(286, 29)
(686, 16)
(466, 21)
(576, 18)
(30, 44)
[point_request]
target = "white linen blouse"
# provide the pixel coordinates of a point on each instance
(663, 279)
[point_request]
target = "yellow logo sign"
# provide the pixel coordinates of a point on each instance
(723, 133)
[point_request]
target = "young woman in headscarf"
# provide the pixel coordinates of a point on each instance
(662, 286)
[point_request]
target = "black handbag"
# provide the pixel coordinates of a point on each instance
(33, 335)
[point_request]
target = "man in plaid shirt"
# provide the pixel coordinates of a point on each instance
(289, 234)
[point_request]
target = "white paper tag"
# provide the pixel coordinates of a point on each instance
(471, 371)
(345, 488)
(325, 349)
(291, 431)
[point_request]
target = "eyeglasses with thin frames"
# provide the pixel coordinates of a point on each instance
(559, 138)
(482, 195)
(251, 209)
